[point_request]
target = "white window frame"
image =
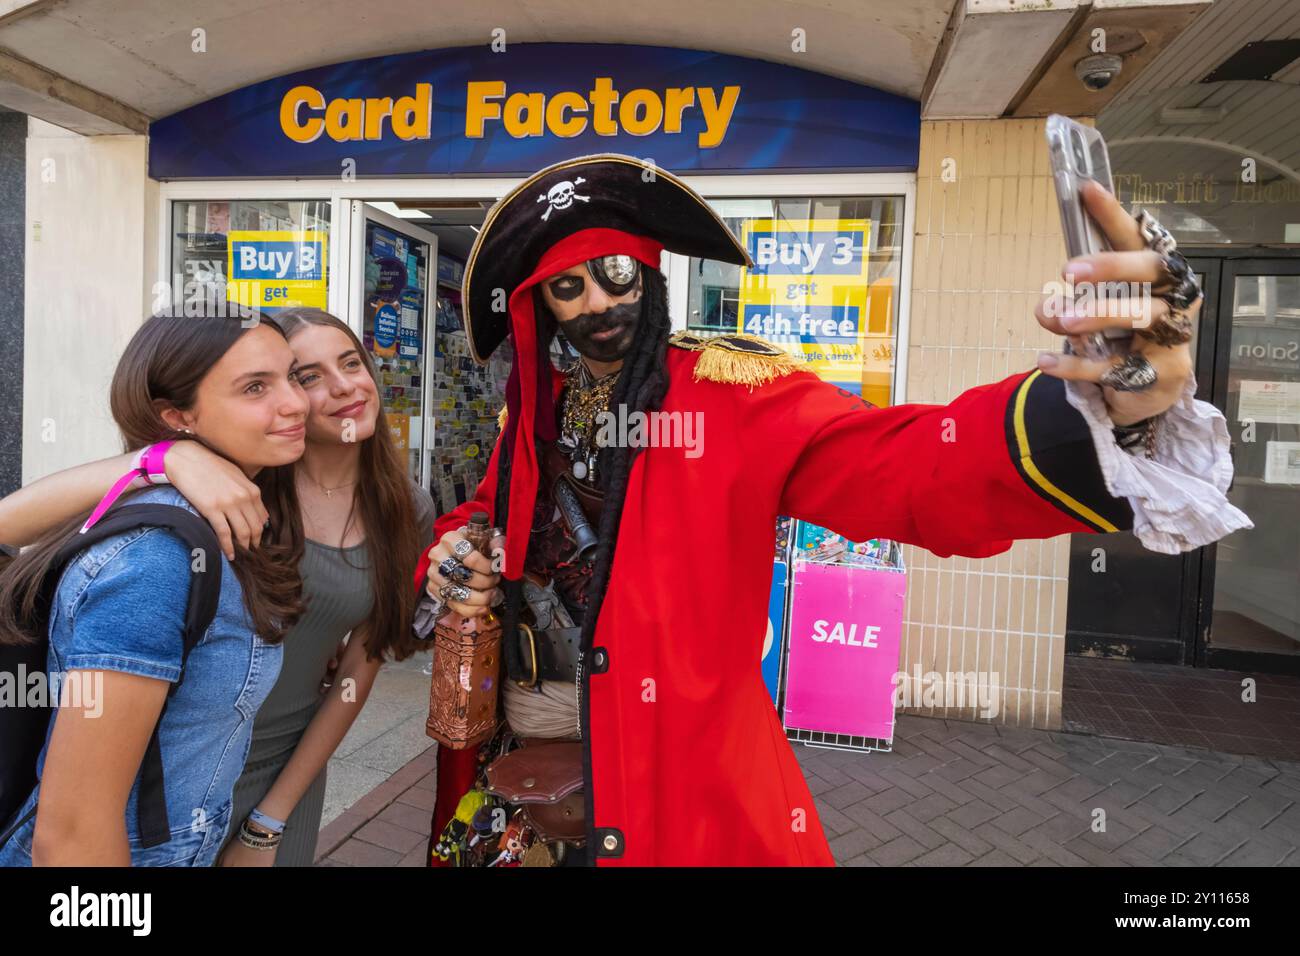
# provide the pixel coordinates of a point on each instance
(713, 186)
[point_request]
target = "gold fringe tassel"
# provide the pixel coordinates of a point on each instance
(722, 361)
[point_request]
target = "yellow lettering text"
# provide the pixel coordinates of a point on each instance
(343, 119)
(377, 110)
(524, 114)
(717, 115)
(603, 98)
(478, 109)
(604, 110)
(675, 105)
(302, 130)
(555, 118)
(413, 115)
(641, 112)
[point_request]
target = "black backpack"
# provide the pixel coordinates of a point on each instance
(23, 729)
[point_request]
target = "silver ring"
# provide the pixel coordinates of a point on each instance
(1171, 330)
(462, 548)
(1155, 236)
(1183, 289)
(456, 592)
(1134, 374)
(453, 570)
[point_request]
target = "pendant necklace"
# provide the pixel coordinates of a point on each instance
(329, 492)
(584, 399)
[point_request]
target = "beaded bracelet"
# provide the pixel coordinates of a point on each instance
(257, 841)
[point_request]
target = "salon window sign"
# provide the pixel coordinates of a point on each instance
(1263, 346)
(473, 110)
(276, 269)
(808, 291)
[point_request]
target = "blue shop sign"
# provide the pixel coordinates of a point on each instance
(469, 110)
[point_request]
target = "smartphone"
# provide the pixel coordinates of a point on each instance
(1078, 153)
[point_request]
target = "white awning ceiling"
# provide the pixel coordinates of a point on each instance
(140, 54)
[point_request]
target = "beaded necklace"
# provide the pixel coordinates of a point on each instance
(584, 399)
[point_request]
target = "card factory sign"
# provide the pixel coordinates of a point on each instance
(305, 114)
(473, 110)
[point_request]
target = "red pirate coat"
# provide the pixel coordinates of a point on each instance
(687, 762)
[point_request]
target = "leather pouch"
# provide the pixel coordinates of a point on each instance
(545, 779)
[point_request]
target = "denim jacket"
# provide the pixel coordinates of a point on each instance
(120, 606)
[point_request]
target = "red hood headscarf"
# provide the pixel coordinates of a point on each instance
(529, 403)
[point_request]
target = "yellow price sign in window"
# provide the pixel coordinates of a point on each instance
(809, 293)
(276, 268)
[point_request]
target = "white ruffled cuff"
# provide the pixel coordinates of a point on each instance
(1178, 497)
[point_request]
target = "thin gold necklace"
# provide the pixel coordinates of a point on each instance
(329, 492)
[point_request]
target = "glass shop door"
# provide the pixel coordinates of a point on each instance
(393, 267)
(1249, 612)
(1232, 605)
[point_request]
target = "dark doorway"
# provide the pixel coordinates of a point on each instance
(1235, 604)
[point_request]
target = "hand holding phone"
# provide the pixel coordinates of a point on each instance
(1078, 154)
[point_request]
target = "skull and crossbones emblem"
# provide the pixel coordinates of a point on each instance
(561, 196)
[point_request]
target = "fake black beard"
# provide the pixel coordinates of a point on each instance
(578, 332)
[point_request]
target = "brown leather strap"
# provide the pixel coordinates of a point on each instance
(556, 653)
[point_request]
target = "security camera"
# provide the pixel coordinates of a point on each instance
(1096, 72)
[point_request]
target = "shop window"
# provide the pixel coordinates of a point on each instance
(265, 254)
(1196, 190)
(1288, 296)
(824, 286)
(1249, 298)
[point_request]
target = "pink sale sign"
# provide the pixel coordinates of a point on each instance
(845, 625)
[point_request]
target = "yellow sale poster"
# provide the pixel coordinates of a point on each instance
(808, 292)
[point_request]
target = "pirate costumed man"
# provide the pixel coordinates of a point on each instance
(645, 648)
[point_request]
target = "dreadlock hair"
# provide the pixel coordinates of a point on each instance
(641, 386)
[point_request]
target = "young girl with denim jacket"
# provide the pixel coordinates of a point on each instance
(116, 620)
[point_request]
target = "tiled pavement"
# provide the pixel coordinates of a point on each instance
(954, 793)
(389, 826)
(1183, 706)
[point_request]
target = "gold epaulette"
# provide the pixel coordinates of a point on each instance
(736, 358)
(501, 419)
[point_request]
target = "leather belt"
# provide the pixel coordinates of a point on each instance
(548, 655)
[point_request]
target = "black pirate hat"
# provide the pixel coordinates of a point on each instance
(576, 211)
(607, 191)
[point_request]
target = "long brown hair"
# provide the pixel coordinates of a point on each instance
(164, 362)
(382, 499)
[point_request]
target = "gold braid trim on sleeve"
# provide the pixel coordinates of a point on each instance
(737, 358)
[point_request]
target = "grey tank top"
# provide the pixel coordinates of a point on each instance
(338, 596)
